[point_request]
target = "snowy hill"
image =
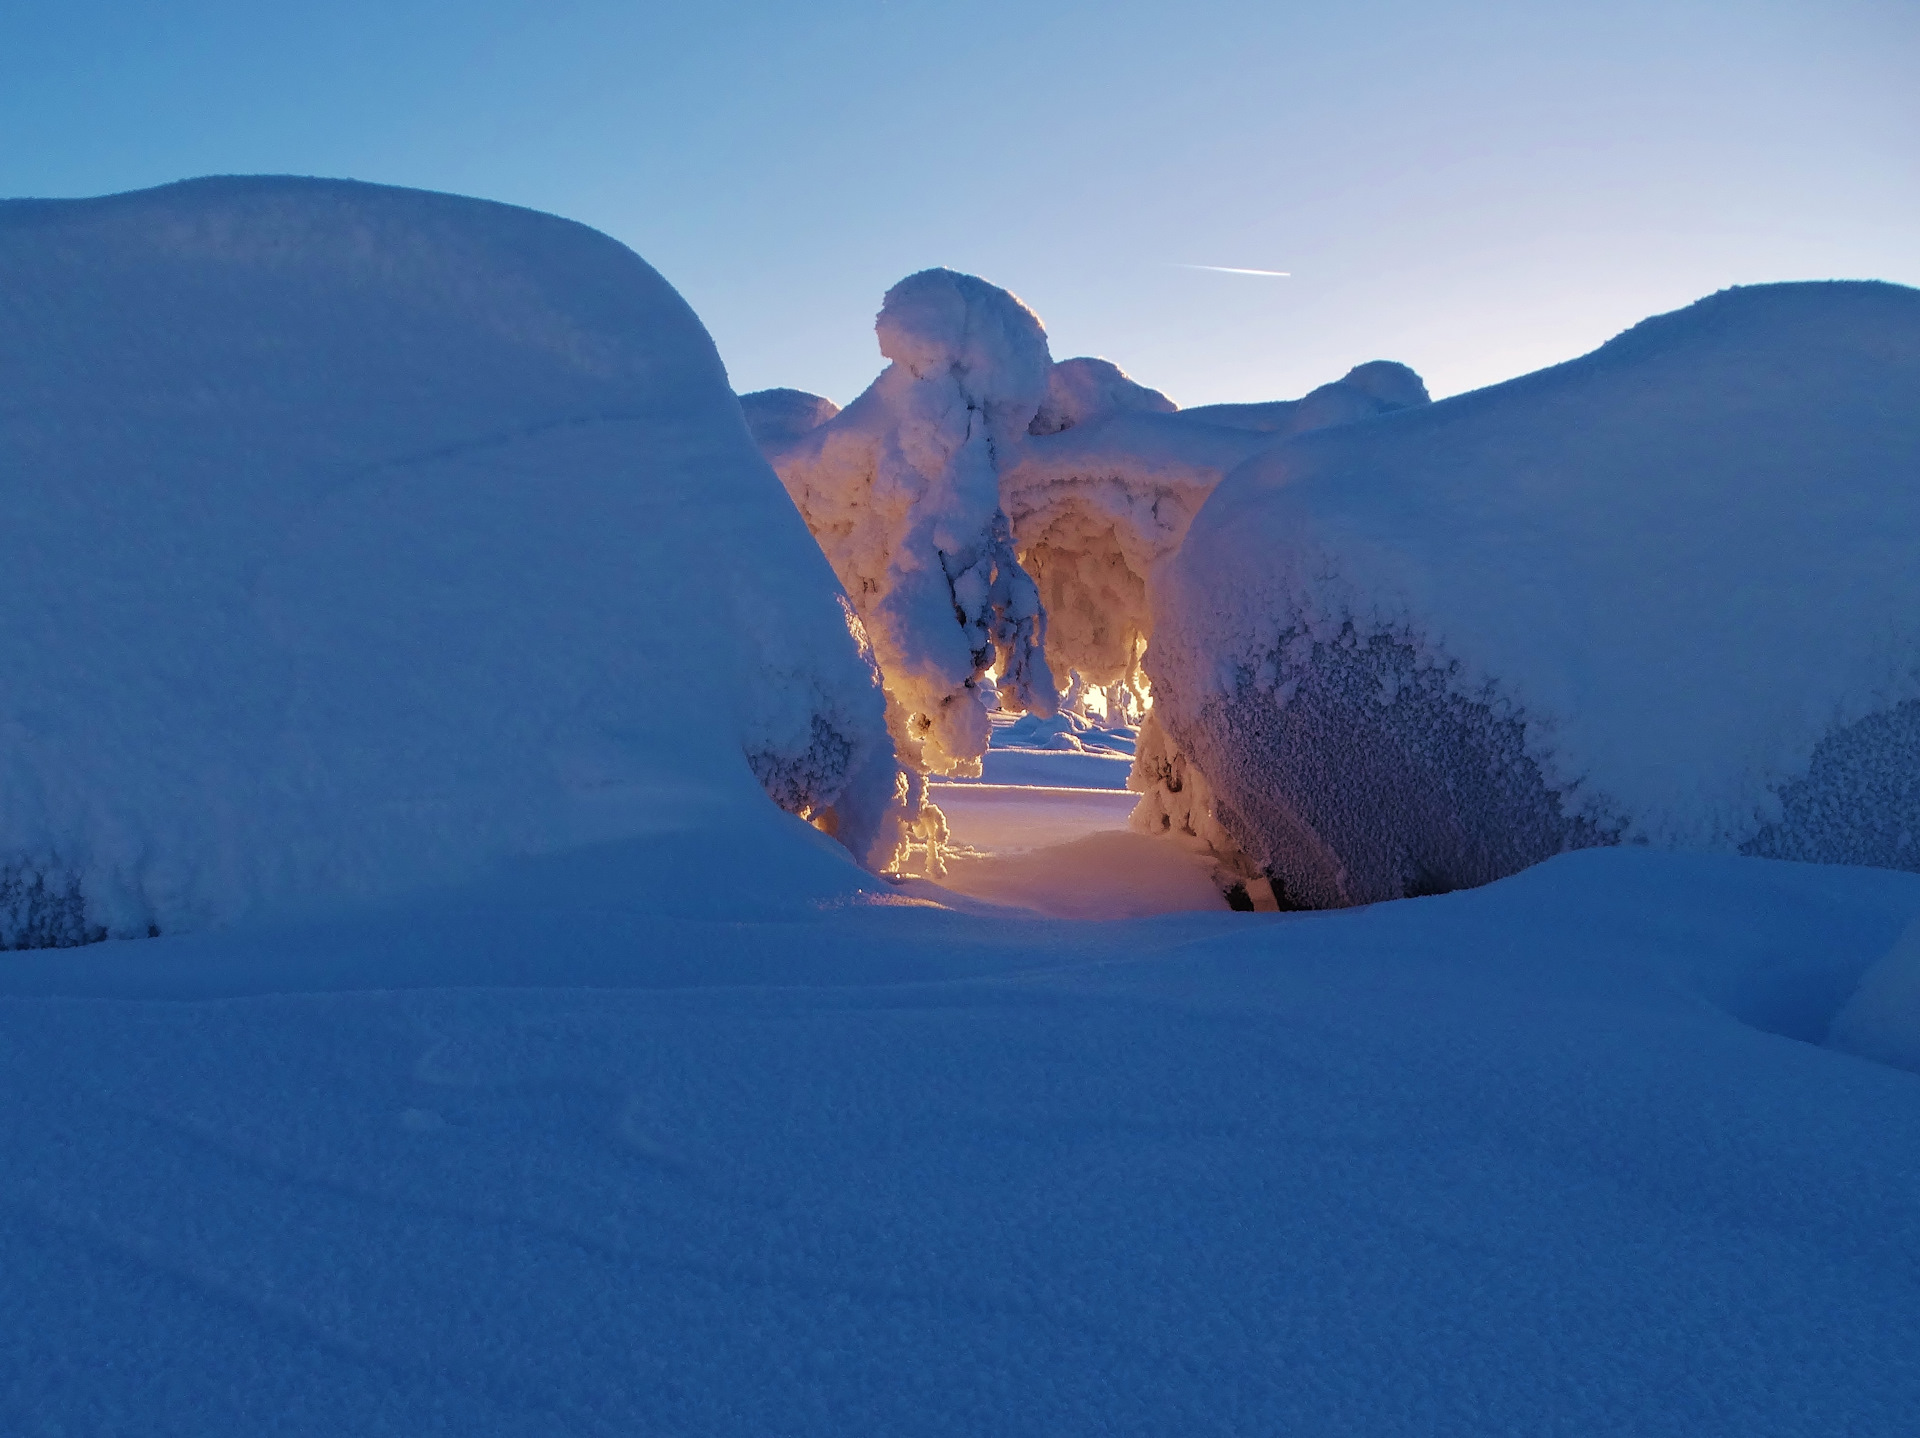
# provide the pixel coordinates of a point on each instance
(1668, 593)
(359, 538)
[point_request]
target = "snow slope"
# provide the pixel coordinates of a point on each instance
(1560, 1156)
(360, 537)
(1668, 593)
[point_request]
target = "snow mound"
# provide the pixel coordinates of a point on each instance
(902, 490)
(1078, 389)
(777, 418)
(1376, 387)
(1667, 593)
(1112, 476)
(1882, 1019)
(359, 538)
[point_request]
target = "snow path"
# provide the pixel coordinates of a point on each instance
(1067, 853)
(1046, 830)
(1498, 1161)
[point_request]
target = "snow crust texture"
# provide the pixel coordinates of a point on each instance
(902, 490)
(1668, 593)
(359, 537)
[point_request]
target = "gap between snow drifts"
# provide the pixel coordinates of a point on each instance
(1045, 829)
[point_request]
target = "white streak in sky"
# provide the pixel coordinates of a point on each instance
(1230, 270)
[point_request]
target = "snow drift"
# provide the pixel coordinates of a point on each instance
(1112, 476)
(1667, 593)
(358, 537)
(902, 490)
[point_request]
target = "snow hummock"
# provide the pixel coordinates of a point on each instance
(1665, 594)
(902, 490)
(360, 538)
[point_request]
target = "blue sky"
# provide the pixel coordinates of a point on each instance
(1475, 189)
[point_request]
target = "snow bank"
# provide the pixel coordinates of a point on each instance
(1111, 478)
(902, 490)
(358, 537)
(1668, 593)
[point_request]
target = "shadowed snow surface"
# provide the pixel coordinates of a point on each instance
(1535, 1158)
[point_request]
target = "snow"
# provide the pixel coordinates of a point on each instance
(361, 538)
(777, 418)
(1104, 489)
(1085, 388)
(1882, 1019)
(1665, 594)
(554, 1155)
(902, 490)
(399, 610)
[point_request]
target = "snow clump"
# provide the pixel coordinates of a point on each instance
(359, 538)
(1665, 594)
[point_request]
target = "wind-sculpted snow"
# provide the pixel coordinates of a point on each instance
(358, 537)
(1112, 476)
(902, 490)
(1665, 594)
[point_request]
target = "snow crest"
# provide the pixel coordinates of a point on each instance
(359, 538)
(1668, 593)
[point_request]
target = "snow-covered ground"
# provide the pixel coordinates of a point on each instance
(1045, 828)
(613, 1148)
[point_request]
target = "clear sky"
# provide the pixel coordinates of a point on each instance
(1474, 188)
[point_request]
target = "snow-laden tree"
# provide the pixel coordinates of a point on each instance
(1111, 475)
(360, 539)
(1665, 594)
(902, 490)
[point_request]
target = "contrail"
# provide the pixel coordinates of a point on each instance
(1231, 270)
